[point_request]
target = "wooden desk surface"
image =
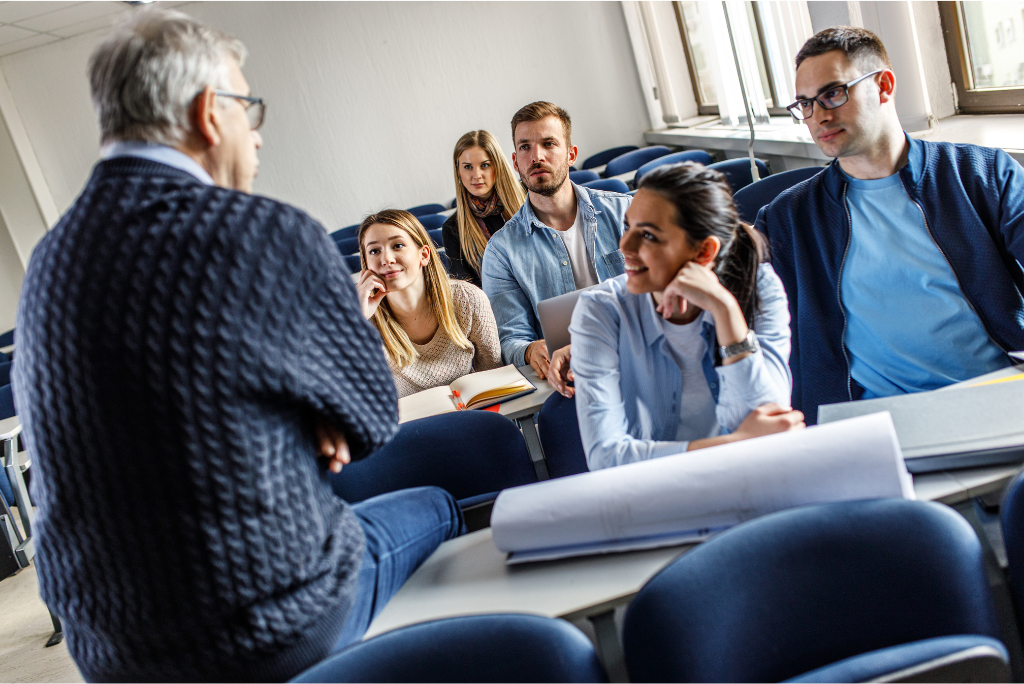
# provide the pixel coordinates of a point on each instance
(468, 575)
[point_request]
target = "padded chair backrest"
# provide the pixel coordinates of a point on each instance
(7, 338)
(467, 453)
(432, 221)
(1011, 513)
(699, 156)
(584, 176)
(750, 199)
(445, 261)
(478, 648)
(5, 372)
(609, 184)
(607, 155)
(346, 232)
(348, 245)
(424, 209)
(6, 402)
(560, 436)
(631, 161)
(737, 172)
(353, 262)
(454, 203)
(435, 235)
(800, 589)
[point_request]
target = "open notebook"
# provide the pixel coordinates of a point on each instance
(475, 391)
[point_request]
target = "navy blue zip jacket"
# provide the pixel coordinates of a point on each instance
(972, 199)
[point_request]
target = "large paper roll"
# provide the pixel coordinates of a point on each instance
(691, 495)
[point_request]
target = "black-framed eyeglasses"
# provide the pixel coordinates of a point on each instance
(255, 107)
(833, 97)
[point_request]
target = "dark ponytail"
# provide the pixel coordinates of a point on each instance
(704, 208)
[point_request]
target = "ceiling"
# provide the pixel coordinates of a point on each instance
(25, 25)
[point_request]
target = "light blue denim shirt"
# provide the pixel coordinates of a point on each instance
(629, 388)
(526, 262)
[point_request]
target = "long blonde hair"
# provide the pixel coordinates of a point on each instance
(510, 192)
(438, 289)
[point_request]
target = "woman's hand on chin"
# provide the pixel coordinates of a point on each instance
(371, 290)
(694, 284)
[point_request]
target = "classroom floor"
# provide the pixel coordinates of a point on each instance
(24, 628)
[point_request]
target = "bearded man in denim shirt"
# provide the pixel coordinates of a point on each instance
(564, 238)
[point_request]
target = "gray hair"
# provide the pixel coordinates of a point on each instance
(146, 74)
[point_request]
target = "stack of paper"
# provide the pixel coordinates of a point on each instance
(687, 497)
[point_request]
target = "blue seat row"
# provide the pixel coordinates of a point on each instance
(852, 591)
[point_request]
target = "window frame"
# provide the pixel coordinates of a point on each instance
(1004, 100)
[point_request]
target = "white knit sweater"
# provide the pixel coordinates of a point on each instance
(440, 361)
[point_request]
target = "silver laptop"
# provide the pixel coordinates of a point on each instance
(555, 315)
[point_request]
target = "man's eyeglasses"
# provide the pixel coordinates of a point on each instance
(255, 107)
(836, 96)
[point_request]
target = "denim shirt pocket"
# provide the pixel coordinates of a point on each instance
(616, 262)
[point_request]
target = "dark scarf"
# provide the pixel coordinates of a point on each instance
(483, 208)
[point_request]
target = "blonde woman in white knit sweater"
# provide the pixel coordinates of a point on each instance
(434, 329)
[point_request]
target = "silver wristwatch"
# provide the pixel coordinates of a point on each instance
(749, 344)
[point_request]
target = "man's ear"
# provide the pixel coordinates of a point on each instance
(206, 117)
(573, 153)
(709, 250)
(886, 85)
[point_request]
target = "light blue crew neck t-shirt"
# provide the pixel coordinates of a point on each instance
(909, 327)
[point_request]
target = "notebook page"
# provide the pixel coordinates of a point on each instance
(475, 384)
(431, 402)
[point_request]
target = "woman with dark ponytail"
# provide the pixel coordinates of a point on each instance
(690, 348)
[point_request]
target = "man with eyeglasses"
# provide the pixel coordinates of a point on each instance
(192, 360)
(902, 258)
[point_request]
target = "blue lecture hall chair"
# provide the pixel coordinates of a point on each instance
(6, 411)
(579, 177)
(471, 454)
(849, 591)
(1011, 513)
(348, 245)
(353, 262)
(424, 209)
(631, 161)
(610, 184)
(432, 221)
(346, 232)
(5, 372)
(750, 199)
(435, 236)
(603, 157)
(699, 156)
(454, 203)
(477, 648)
(560, 437)
(7, 338)
(737, 172)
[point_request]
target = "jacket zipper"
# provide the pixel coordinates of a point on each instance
(839, 293)
(948, 263)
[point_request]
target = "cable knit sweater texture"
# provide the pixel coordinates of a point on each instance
(176, 344)
(440, 361)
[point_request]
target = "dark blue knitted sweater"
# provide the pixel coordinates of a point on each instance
(176, 343)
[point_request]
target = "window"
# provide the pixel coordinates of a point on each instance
(985, 58)
(776, 31)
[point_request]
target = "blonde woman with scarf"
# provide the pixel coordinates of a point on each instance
(487, 194)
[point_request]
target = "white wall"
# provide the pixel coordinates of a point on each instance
(367, 99)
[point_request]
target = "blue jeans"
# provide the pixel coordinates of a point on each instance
(402, 529)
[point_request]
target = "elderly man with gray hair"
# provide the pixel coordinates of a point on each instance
(192, 360)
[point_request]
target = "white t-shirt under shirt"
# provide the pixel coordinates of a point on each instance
(697, 419)
(583, 270)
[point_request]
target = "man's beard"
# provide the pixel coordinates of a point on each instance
(558, 177)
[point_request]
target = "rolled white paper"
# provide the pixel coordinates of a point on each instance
(685, 497)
